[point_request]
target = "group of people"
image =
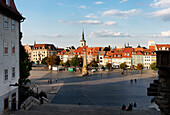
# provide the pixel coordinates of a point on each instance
(129, 108)
(132, 80)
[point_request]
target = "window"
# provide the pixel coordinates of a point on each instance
(13, 72)
(5, 48)
(13, 25)
(5, 22)
(13, 48)
(8, 2)
(6, 74)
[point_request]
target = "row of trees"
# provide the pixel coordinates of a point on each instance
(139, 66)
(74, 62)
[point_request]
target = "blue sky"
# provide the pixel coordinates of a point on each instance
(105, 22)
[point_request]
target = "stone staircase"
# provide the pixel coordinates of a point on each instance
(62, 109)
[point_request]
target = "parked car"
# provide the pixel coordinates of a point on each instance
(93, 70)
(101, 69)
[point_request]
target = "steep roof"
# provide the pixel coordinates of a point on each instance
(159, 46)
(46, 46)
(10, 10)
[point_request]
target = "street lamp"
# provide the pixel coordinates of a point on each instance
(37, 90)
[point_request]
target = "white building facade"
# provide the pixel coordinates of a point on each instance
(9, 55)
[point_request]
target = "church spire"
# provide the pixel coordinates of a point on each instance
(83, 41)
(83, 34)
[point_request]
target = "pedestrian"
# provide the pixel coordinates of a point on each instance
(129, 108)
(131, 80)
(135, 105)
(135, 80)
(123, 107)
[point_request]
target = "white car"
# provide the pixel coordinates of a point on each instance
(93, 70)
(101, 69)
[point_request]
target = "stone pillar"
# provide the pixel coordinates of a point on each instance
(84, 70)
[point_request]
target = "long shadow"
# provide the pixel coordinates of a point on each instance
(106, 94)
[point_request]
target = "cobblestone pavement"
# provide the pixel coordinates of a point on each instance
(108, 90)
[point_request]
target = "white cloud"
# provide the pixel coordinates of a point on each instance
(108, 33)
(99, 2)
(161, 3)
(110, 23)
(165, 14)
(92, 22)
(121, 14)
(163, 34)
(91, 16)
(89, 22)
(51, 36)
(83, 7)
(123, 1)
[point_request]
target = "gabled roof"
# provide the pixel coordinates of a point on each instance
(159, 46)
(45, 46)
(10, 9)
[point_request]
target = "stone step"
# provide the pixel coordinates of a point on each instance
(63, 109)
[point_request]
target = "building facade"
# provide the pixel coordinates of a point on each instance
(40, 51)
(10, 20)
(28, 49)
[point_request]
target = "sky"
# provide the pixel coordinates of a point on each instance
(105, 22)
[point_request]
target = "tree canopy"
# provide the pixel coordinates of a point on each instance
(25, 65)
(74, 61)
(139, 66)
(57, 58)
(108, 65)
(153, 66)
(93, 63)
(51, 60)
(44, 61)
(123, 65)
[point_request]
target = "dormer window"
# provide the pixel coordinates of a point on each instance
(8, 2)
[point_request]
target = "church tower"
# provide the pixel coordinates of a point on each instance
(83, 41)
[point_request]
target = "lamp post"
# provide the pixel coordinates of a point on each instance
(37, 90)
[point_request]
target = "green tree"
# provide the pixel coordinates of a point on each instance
(123, 65)
(75, 61)
(57, 60)
(44, 61)
(153, 66)
(51, 60)
(140, 67)
(61, 63)
(108, 65)
(25, 66)
(93, 63)
(67, 63)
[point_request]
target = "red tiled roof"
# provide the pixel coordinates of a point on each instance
(162, 45)
(127, 50)
(12, 8)
(46, 46)
(152, 47)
